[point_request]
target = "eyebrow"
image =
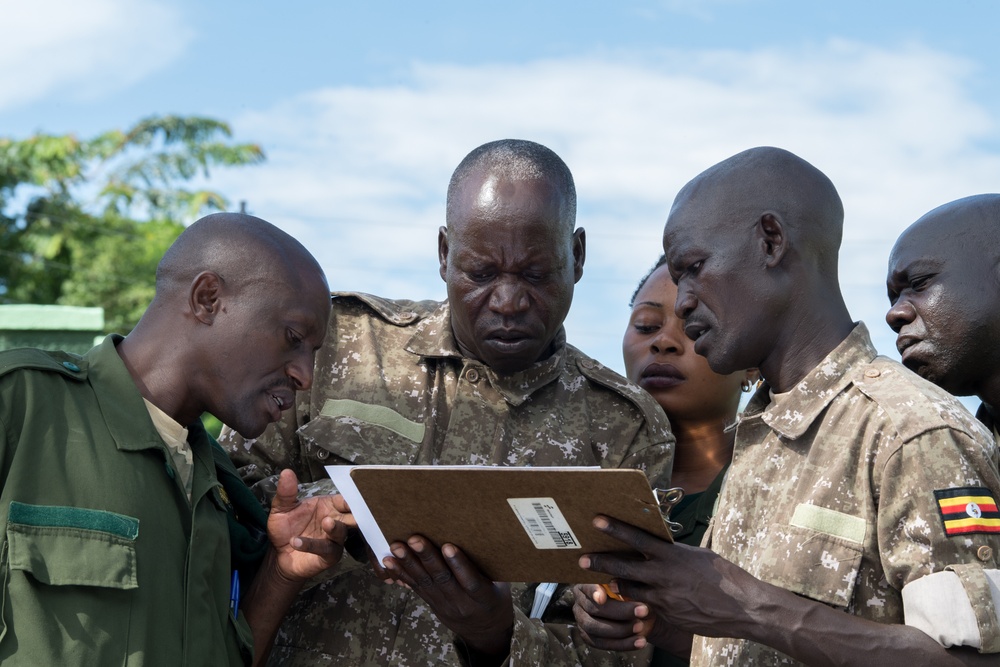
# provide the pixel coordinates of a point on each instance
(649, 303)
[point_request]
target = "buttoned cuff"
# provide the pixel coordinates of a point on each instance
(956, 607)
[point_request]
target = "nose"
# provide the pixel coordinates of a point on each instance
(668, 338)
(300, 370)
(685, 303)
(509, 297)
(900, 314)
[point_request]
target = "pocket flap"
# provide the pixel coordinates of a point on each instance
(815, 564)
(72, 546)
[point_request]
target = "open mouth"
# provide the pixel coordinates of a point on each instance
(280, 401)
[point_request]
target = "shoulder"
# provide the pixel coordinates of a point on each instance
(30, 359)
(598, 374)
(914, 405)
(400, 312)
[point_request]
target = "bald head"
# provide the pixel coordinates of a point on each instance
(246, 252)
(512, 160)
(752, 244)
(768, 179)
(943, 285)
(970, 225)
(240, 309)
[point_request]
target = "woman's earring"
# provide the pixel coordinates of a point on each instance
(746, 386)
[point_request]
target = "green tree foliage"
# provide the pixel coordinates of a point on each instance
(84, 222)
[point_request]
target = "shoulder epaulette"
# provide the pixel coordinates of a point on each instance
(27, 358)
(600, 374)
(400, 312)
(913, 404)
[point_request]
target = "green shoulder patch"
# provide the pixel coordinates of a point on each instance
(70, 365)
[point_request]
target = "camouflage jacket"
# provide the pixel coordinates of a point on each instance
(392, 387)
(834, 494)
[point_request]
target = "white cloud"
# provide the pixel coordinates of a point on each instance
(83, 49)
(360, 173)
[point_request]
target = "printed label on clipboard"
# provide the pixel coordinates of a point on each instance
(544, 523)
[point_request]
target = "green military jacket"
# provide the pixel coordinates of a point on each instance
(104, 560)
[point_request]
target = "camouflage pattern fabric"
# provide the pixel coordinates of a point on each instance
(831, 492)
(392, 387)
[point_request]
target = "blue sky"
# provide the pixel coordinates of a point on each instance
(365, 108)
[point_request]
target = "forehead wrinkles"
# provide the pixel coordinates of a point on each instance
(509, 251)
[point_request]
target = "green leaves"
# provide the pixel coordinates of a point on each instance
(84, 222)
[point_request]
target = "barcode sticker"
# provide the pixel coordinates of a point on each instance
(544, 523)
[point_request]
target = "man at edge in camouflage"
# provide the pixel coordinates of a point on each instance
(858, 521)
(944, 300)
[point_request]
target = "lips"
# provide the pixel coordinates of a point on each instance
(279, 401)
(695, 330)
(509, 340)
(660, 376)
(906, 345)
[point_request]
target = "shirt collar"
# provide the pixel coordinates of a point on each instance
(801, 406)
(124, 411)
(433, 338)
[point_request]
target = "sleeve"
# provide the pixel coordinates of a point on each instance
(939, 532)
(652, 451)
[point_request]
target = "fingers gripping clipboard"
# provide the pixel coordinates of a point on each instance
(516, 524)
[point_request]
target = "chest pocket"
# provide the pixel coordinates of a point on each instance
(350, 432)
(817, 555)
(70, 573)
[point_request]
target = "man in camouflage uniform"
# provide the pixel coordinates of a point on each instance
(944, 291)
(485, 377)
(858, 523)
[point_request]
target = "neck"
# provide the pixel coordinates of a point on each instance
(155, 372)
(703, 449)
(803, 345)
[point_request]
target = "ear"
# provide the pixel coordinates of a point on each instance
(579, 253)
(205, 299)
(443, 252)
(773, 238)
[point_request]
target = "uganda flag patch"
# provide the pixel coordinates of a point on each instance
(970, 509)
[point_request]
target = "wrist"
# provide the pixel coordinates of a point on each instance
(271, 568)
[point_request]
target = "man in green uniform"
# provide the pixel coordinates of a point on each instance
(485, 377)
(858, 523)
(944, 296)
(127, 533)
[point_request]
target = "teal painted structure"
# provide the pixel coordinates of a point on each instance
(69, 328)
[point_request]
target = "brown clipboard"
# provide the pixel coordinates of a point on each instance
(469, 507)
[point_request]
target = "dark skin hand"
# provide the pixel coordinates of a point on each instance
(307, 537)
(476, 609)
(692, 590)
(614, 625)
